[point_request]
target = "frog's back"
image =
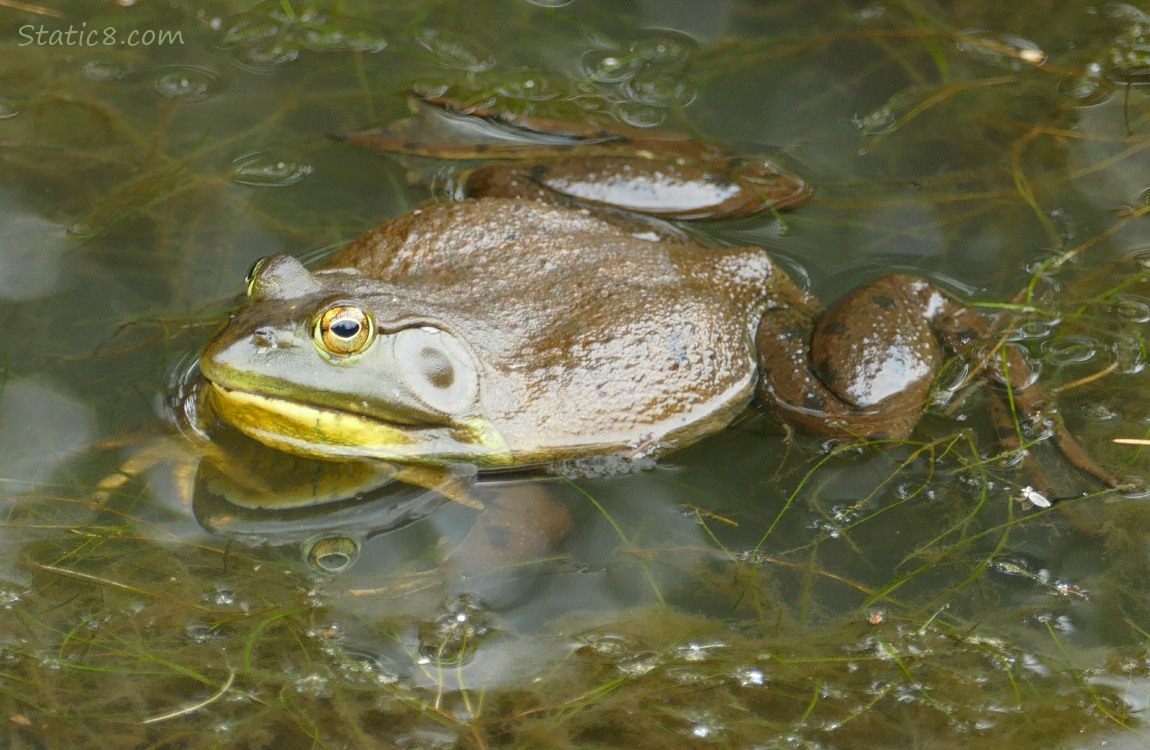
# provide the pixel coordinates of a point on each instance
(596, 334)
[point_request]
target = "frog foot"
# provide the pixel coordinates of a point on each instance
(657, 173)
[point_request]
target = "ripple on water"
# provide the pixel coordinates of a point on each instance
(1086, 90)
(697, 652)
(531, 88)
(454, 636)
(452, 52)
(1097, 411)
(660, 89)
(187, 83)
(639, 663)
(607, 645)
(353, 34)
(609, 66)
(1129, 353)
(639, 115)
(263, 169)
(1074, 349)
(1130, 307)
(664, 47)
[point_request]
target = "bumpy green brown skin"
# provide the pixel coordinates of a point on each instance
(592, 335)
(596, 335)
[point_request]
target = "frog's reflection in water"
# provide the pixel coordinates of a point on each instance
(331, 510)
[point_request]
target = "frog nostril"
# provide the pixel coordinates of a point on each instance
(264, 338)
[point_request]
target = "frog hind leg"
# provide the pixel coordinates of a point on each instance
(804, 366)
(643, 183)
(822, 377)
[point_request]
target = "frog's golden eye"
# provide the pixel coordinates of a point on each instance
(253, 271)
(343, 329)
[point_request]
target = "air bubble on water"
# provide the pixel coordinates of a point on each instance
(531, 88)
(1070, 350)
(1084, 91)
(608, 66)
(249, 28)
(202, 634)
(1136, 487)
(660, 90)
(1128, 351)
(10, 598)
(750, 676)
(366, 668)
(878, 120)
(352, 34)
(263, 169)
(664, 47)
(828, 529)
(187, 83)
(607, 644)
(698, 651)
(1097, 411)
(330, 632)
(270, 54)
(843, 515)
(314, 685)
(1131, 308)
(1140, 257)
(703, 726)
(638, 664)
(455, 636)
(453, 52)
(639, 115)
(105, 70)
(685, 676)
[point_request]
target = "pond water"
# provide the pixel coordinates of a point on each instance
(759, 589)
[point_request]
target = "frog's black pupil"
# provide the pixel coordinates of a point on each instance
(253, 269)
(345, 329)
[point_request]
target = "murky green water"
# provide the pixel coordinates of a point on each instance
(750, 591)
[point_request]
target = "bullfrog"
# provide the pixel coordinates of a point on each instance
(535, 321)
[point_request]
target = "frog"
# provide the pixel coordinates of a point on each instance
(535, 321)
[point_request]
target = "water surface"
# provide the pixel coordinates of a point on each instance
(756, 590)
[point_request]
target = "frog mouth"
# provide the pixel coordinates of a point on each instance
(326, 433)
